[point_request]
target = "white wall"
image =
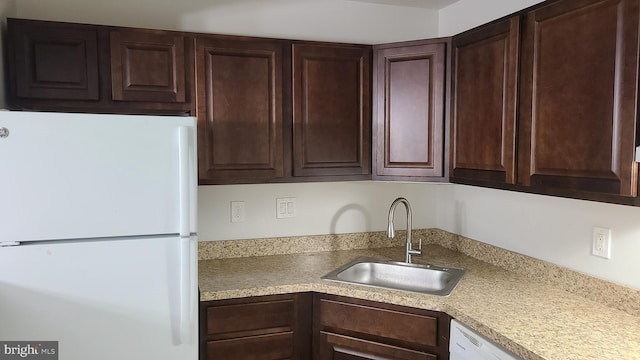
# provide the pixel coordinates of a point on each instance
(554, 229)
(467, 14)
(323, 208)
(326, 20)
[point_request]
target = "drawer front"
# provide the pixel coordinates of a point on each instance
(264, 347)
(419, 329)
(234, 318)
(334, 346)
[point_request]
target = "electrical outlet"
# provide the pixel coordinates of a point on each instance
(601, 245)
(285, 208)
(237, 211)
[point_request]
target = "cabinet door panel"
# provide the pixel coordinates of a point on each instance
(578, 111)
(410, 111)
(147, 66)
(484, 103)
(331, 110)
(54, 61)
(341, 347)
(239, 110)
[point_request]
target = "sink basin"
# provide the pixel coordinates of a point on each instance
(425, 279)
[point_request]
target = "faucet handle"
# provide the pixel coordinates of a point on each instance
(417, 251)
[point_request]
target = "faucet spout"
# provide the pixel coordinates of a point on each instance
(391, 230)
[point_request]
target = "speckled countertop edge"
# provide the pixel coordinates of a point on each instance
(532, 319)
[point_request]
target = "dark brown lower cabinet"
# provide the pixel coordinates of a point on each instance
(346, 328)
(341, 347)
(259, 328)
(321, 327)
(270, 346)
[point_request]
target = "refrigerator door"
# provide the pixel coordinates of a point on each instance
(71, 176)
(102, 300)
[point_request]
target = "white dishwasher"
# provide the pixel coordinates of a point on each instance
(465, 344)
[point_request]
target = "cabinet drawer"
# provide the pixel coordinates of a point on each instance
(334, 346)
(228, 319)
(262, 347)
(396, 325)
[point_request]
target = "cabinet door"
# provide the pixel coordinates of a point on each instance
(259, 328)
(147, 66)
(409, 124)
(53, 61)
(485, 68)
(239, 87)
(579, 97)
(341, 347)
(331, 110)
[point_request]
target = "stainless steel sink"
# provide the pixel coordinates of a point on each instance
(425, 279)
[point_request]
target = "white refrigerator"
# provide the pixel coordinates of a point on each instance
(98, 246)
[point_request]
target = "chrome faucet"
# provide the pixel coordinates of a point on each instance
(391, 232)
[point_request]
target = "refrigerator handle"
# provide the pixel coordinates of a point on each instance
(186, 265)
(186, 290)
(184, 181)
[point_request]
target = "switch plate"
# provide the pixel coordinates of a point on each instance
(237, 211)
(286, 208)
(601, 244)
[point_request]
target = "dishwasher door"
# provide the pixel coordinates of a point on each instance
(464, 344)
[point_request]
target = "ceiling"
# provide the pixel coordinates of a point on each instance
(427, 4)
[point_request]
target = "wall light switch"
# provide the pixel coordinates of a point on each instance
(285, 208)
(237, 211)
(601, 243)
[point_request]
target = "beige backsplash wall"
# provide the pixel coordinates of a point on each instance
(553, 229)
(322, 208)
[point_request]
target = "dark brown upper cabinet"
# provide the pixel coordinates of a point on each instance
(409, 106)
(52, 61)
(578, 97)
(240, 121)
(254, 126)
(92, 68)
(148, 66)
(331, 110)
(484, 99)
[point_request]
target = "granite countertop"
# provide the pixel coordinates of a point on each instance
(532, 319)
